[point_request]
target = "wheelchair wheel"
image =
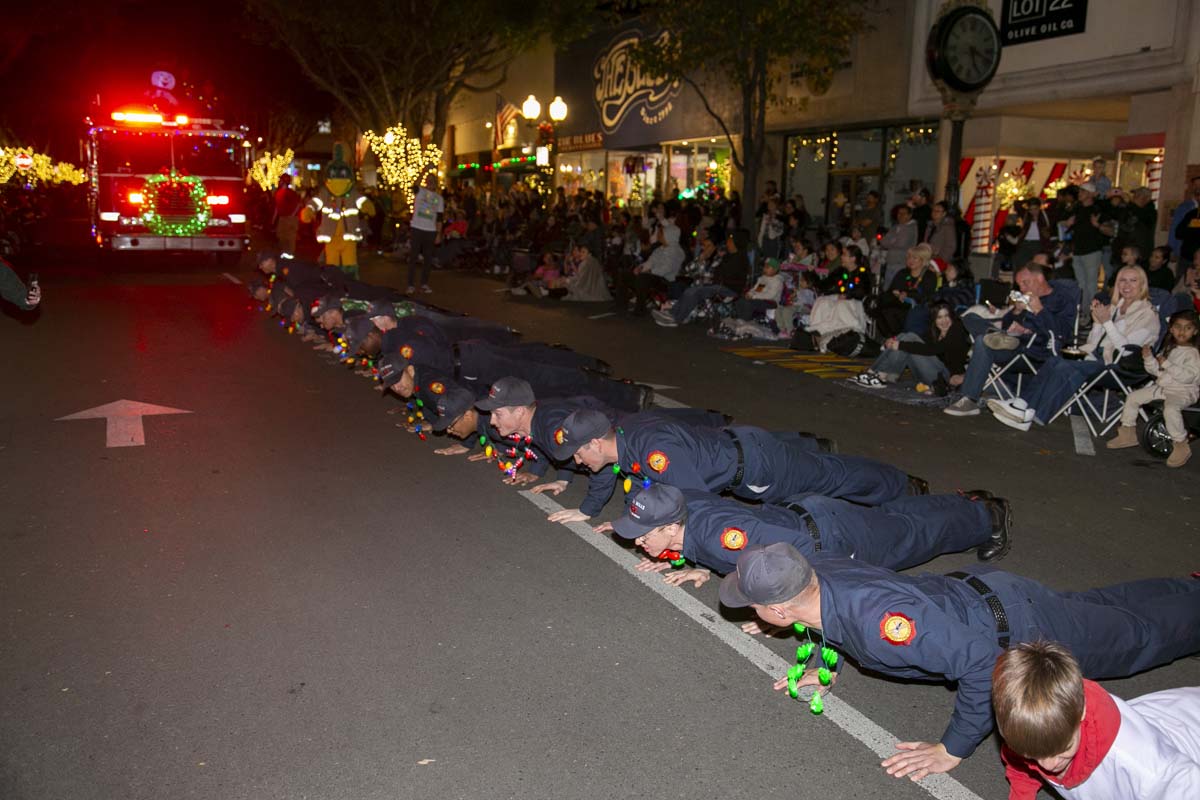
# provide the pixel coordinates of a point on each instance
(1153, 436)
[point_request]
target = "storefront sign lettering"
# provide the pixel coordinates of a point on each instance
(581, 141)
(1023, 21)
(621, 85)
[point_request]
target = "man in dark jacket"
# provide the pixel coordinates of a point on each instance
(728, 280)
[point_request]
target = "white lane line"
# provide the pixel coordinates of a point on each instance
(1083, 437)
(837, 711)
(658, 387)
(602, 316)
(230, 278)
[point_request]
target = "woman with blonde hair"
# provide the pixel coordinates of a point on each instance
(912, 286)
(1119, 329)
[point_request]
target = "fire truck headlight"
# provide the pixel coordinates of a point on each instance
(237, 218)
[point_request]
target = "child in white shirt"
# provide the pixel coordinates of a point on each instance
(1177, 383)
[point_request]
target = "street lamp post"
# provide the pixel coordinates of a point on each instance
(531, 110)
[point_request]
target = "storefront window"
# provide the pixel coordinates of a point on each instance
(582, 171)
(834, 170)
(632, 177)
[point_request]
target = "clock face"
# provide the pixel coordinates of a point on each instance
(970, 50)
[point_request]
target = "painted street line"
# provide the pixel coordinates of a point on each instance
(659, 387)
(837, 711)
(124, 419)
(602, 316)
(1083, 437)
(231, 278)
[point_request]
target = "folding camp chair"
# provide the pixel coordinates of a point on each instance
(1114, 384)
(1023, 363)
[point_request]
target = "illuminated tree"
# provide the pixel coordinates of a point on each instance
(267, 169)
(403, 160)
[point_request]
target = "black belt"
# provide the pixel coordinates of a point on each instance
(993, 603)
(741, 456)
(457, 362)
(809, 523)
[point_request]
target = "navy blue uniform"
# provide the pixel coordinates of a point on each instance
(752, 463)
(549, 417)
(896, 535)
(934, 626)
(546, 370)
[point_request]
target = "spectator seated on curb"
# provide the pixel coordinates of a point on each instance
(914, 286)
(803, 296)
(938, 361)
(1120, 329)
(587, 285)
(725, 277)
(1039, 322)
(1176, 372)
(763, 295)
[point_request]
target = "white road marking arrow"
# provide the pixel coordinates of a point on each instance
(124, 420)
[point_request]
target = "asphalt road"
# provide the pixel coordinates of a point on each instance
(282, 595)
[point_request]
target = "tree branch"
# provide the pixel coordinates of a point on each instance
(733, 151)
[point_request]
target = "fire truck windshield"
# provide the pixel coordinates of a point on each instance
(149, 152)
(124, 154)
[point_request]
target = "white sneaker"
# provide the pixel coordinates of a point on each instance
(1015, 410)
(1011, 422)
(425, 289)
(663, 318)
(517, 290)
(963, 407)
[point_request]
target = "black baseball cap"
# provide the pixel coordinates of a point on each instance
(390, 368)
(454, 402)
(287, 307)
(355, 332)
(267, 255)
(653, 507)
(766, 574)
(329, 302)
(381, 308)
(577, 430)
(506, 392)
(277, 295)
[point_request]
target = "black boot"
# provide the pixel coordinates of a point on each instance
(824, 445)
(976, 494)
(998, 545)
(917, 486)
(645, 396)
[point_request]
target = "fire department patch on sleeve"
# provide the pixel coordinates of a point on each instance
(437, 387)
(896, 628)
(406, 351)
(658, 461)
(733, 538)
(560, 436)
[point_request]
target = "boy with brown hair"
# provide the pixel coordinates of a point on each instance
(1068, 732)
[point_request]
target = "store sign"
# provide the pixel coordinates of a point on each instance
(1024, 21)
(581, 141)
(623, 87)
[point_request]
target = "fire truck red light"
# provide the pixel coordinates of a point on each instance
(137, 198)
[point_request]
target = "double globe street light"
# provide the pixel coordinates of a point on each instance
(531, 110)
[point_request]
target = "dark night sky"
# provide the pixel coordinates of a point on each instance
(58, 54)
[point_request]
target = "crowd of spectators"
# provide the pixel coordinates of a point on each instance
(1076, 287)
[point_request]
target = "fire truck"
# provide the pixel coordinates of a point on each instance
(166, 182)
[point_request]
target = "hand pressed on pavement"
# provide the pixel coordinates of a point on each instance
(920, 759)
(553, 487)
(566, 515)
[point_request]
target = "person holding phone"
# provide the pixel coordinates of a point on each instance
(13, 289)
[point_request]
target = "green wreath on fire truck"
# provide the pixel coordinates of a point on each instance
(173, 181)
